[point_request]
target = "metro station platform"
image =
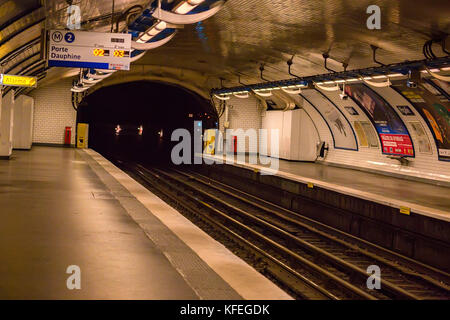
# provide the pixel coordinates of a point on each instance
(422, 198)
(61, 207)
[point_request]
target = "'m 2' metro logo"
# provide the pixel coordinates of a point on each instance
(69, 37)
(57, 36)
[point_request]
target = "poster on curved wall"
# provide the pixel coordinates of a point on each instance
(434, 109)
(394, 136)
(341, 130)
(442, 87)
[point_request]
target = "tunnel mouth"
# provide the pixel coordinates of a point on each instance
(135, 121)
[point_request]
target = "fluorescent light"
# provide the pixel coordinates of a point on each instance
(395, 75)
(380, 77)
(367, 78)
(328, 82)
(319, 82)
(445, 69)
(153, 31)
(187, 6)
(352, 80)
(339, 81)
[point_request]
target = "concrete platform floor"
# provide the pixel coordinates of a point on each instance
(424, 198)
(55, 212)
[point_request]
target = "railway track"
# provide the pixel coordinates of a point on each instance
(310, 259)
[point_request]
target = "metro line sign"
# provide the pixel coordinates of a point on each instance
(17, 81)
(82, 49)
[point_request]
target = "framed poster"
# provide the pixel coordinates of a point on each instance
(341, 129)
(361, 134)
(438, 88)
(435, 112)
(371, 135)
(424, 142)
(405, 110)
(394, 136)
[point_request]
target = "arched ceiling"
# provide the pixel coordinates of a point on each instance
(244, 34)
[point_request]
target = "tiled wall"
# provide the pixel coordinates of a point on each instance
(243, 114)
(53, 112)
(246, 113)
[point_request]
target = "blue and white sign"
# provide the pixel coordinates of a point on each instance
(81, 49)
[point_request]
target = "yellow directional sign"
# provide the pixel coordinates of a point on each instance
(17, 81)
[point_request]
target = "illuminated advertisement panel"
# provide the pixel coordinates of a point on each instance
(435, 109)
(394, 136)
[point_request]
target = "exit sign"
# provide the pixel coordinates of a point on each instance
(82, 49)
(17, 81)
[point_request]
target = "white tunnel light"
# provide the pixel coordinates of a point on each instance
(222, 98)
(353, 80)
(241, 95)
(339, 81)
(334, 88)
(263, 93)
(292, 91)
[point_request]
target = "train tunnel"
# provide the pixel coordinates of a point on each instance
(135, 121)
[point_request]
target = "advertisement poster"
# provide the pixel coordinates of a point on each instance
(438, 88)
(343, 135)
(434, 110)
(394, 136)
(361, 134)
(424, 143)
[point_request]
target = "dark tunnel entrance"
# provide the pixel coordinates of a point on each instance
(134, 121)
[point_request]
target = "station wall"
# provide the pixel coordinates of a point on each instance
(425, 165)
(53, 111)
(243, 114)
